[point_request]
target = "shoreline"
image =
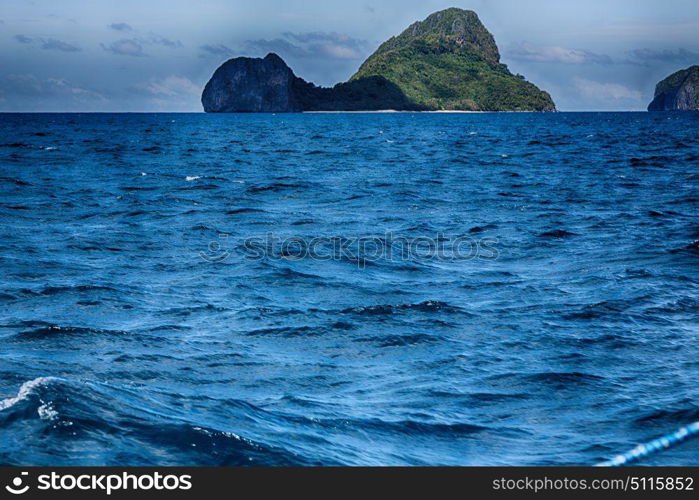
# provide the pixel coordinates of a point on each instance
(442, 111)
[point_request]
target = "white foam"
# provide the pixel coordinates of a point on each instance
(47, 412)
(24, 391)
(194, 178)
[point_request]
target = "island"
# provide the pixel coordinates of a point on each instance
(678, 92)
(448, 62)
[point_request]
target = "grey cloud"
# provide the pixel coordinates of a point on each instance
(48, 43)
(121, 27)
(160, 40)
(315, 44)
(134, 46)
(679, 55)
(54, 44)
(278, 46)
(525, 51)
(29, 85)
(170, 86)
(125, 47)
(332, 45)
(24, 39)
(321, 36)
(217, 50)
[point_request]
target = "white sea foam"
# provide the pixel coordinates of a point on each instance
(47, 412)
(24, 391)
(193, 178)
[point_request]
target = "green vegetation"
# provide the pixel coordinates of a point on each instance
(369, 93)
(450, 61)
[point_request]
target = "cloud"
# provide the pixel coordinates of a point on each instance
(679, 55)
(125, 47)
(24, 39)
(48, 43)
(217, 50)
(56, 89)
(278, 46)
(598, 91)
(121, 27)
(160, 40)
(317, 44)
(54, 44)
(134, 46)
(333, 45)
(170, 86)
(525, 51)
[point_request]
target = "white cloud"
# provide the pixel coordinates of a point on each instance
(29, 85)
(313, 45)
(171, 86)
(48, 43)
(126, 47)
(217, 49)
(598, 91)
(339, 52)
(525, 51)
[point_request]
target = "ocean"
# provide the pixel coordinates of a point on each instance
(347, 289)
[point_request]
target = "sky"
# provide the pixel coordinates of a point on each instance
(157, 55)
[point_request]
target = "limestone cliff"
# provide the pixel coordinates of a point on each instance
(678, 92)
(449, 61)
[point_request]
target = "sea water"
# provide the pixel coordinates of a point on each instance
(355, 289)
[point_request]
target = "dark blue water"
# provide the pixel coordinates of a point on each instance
(138, 327)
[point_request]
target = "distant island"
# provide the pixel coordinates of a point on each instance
(448, 62)
(678, 92)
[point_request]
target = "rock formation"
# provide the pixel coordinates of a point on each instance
(449, 61)
(678, 92)
(246, 85)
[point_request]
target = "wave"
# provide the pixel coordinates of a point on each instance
(26, 390)
(430, 306)
(55, 290)
(287, 332)
(239, 211)
(685, 413)
(36, 330)
(449, 430)
(607, 308)
(557, 233)
(276, 187)
(400, 340)
(692, 248)
(107, 419)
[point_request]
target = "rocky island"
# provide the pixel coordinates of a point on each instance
(449, 61)
(678, 92)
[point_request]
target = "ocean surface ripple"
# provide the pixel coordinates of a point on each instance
(136, 329)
